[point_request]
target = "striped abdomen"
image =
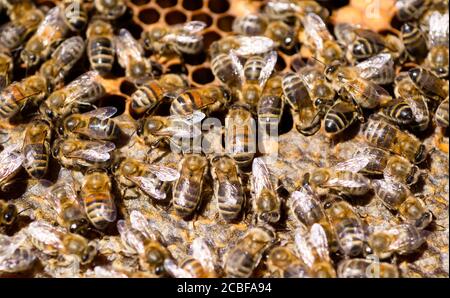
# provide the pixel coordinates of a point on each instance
(186, 196)
(400, 112)
(105, 129)
(414, 40)
(146, 96)
(240, 263)
(411, 9)
(377, 161)
(364, 48)
(101, 54)
(351, 236)
(191, 45)
(186, 103)
(253, 67)
(36, 159)
(75, 16)
(100, 209)
(340, 116)
(223, 69)
(270, 109)
(240, 139)
(230, 196)
(379, 134)
(9, 99)
(350, 183)
(441, 115)
(194, 267)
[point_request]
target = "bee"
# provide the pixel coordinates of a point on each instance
(379, 69)
(347, 227)
(285, 9)
(83, 91)
(428, 83)
(14, 33)
(283, 262)
(153, 92)
(319, 39)
(11, 160)
(74, 14)
(36, 147)
(366, 268)
(97, 198)
(411, 112)
(400, 239)
(228, 188)
(266, 203)
(81, 154)
(381, 134)
(153, 180)
(15, 255)
(100, 46)
(283, 35)
(437, 59)
(441, 114)
(244, 257)
(271, 105)
(397, 197)
(130, 56)
(240, 135)
(62, 60)
(223, 69)
(8, 213)
(110, 10)
(414, 40)
(6, 67)
(30, 91)
(312, 247)
(250, 24)
(50, 32)
(95, 124)
(411, 9)
(339, 117)
(187, 191)
(178, 39)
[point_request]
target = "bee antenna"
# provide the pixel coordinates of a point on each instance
(323, 63)
(24, 210)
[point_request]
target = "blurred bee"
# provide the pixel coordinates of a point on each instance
(428, 83)
(285, 9)
(14, 33)
(397, 197)
(400, 239)
(244, 257)
(347, 227)
(97, 198)
(10, 164)
(74, 14)
(228, 188)
(179, 39)
(83, 91)
(15, 255)
(30, 91)
(130, 56)
(62, 60)
(411, 9)
(366, 268)
(55, 241)
(36, 147)
(95, 124)
(240, 135)
(271, 105)
(187, 191)
(283, 262)
(6, 67)
(414, 40)
(266, 203)
(8, 213)
(50, 32)
(312, 247)
(441, 114)
(110, 10)
(151, 179)
(83, 154)
(243, 46)
(100, 46)
(438, 37)
(153, 92)
(200, 265)
(381, 134)
(410, 112)
(15, 8)
(250, 24)
(319, 39)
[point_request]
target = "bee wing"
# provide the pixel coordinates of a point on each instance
(237, 66)
(254, 45)
(140, 222)
(164, 173)
(102, 113)
(20, 259)
(81, 85)
(127, 48)
(147, 184)
(10, 161)
(45, 233)
(318, 239)
(419, 108)
(355, 164)
(195, 117)
(361, 89)
(282, 6)
(95, 151)
(376, 65)
(52, 19)
(175, 270)
(270, 61)
(338, 182)
(303, 247)
(130, 238)
(261, 176)
(316, 29)
(10, 243)
(202, 251)
(64, 54)
(438, 29)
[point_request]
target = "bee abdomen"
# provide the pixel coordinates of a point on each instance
(101, 54)
(146, 96)
(351, 237)
(401, 113)
(36, 160)
(99, 210)
(240, 264)
(230, 211)
(379, 134)
(187, 197)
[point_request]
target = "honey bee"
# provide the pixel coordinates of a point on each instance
(414, 40)
(283, 262)
(285, 9)
(83, 91)
(240, 135)
(83, 154)
(223, 69)
(36, 147)
(100, 46)
(271, 105)
(178, 39)
(306, 206)
(74, 14)
(95, 124)
(266, 203)
(30, 91)
(110, 10)
(10, 164)
(8, 213)
(228, 188)
(50, 32)
(244, 257)
(411, 112)
(14, 33)
(347, 227)
(383, 135)
(400, 239)
(62, 60)
(411, 9)
(97, 198)
(366, 268)
(339, 117)
(153, 92)
(438, 37)
(312, 247)
(187, 191)
(397, 197)
(6, 66)
(15, 254)
(428, 83)
(379, 69)
(153, 180)
(441, 114)
(130, 56)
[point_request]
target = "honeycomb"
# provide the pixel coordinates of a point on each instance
(297, 153)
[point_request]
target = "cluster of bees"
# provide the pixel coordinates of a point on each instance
(395, 84)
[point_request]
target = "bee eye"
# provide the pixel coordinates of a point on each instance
(10, 214)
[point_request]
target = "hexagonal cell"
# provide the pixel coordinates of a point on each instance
(140, 2)
(166, 3)
(281, 64)
(192, 4)
(127, 88)
(149, 16)
(225, 23)
(203, 17)
(202, 76)
(209, 38)
(116, 101)
(218, 6)
(175, 17)
(196, 59)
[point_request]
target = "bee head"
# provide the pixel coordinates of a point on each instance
(89, 254)
(414, 74)
(331, 69)
(9, 215)
(421, 154)
(79, 226)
